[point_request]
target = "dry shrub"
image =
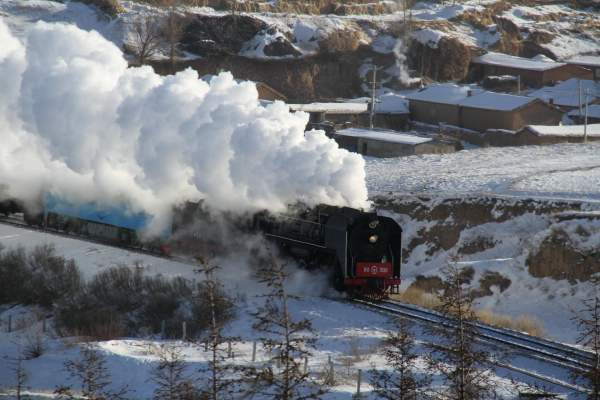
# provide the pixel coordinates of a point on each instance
(122, 301)
(529, 324)
(109, 7)
(523, 323)
(418, 297)
(340, 41)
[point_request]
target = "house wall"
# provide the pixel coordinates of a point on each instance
(434, 113)
(567, 72)
(435, 148)
(378, 148)
(535, 113)
(265, 92)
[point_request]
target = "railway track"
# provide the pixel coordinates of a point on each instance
(565, 357)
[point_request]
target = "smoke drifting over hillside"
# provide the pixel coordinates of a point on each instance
(76, 121)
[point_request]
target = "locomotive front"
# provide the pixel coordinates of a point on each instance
(375, 255)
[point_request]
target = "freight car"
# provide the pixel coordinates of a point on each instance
(363, 249)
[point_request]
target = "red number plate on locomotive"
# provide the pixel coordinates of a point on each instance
(380, 270)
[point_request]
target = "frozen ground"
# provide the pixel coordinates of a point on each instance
(570, 171)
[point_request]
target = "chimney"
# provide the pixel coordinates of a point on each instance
(469, 93)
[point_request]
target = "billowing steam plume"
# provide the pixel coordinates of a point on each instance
(76, 121)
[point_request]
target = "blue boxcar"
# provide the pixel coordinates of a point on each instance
(113, 222)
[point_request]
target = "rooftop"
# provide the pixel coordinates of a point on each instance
(591, 61)
(383, 136)
(567, 93)
(333, 108)
(506, 60)
(459, 95)
(593, 111)
(446, 93)
(392, 104)
(564, 130)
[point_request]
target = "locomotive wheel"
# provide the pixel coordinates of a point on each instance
(337, 279)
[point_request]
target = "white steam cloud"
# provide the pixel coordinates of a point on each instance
(75, 120)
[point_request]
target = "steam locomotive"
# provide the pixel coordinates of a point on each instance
(362, 250)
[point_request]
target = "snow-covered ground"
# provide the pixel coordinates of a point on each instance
(570, 171)
(348, 335)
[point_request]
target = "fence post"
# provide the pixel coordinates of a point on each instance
(358, 383)
(305, 365)
(44, 325)
(253, 351)
(206, 345)
(229, 348)
(163, 329)
(184, 330)
(9, 323)
(331, 371)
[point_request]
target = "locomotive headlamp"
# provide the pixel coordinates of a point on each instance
(373, 238)
(373, 225)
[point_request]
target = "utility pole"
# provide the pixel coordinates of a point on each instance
(585, 119)
(373, 88)
(580, 96)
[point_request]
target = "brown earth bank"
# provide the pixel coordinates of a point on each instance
(563, 248)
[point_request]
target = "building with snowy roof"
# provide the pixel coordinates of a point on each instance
(478, 110)
(593, 114)
(532, 72)
(388, 143)
(589, 62)
(566, 95)
(545, 134)
(391, 112)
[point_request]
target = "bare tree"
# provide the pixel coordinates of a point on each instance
(169, 375)
(401, 383)
(91, 371)
(220, 383)
(288, 341)
(464, 367)
(146, 37)
(588, 324)
(173, 29)
(19, 373)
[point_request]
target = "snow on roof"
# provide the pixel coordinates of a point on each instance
(446, 93)
(592, 112)
(506, 60)
(383, 136)
(567, 93)
(495, 101)
(332, 108)
(591, 61)
(392, 104)
(459, 95)
(564, 130)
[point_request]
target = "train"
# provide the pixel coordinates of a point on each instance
(361, 251)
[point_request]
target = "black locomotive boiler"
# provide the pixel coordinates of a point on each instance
(363, 249)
